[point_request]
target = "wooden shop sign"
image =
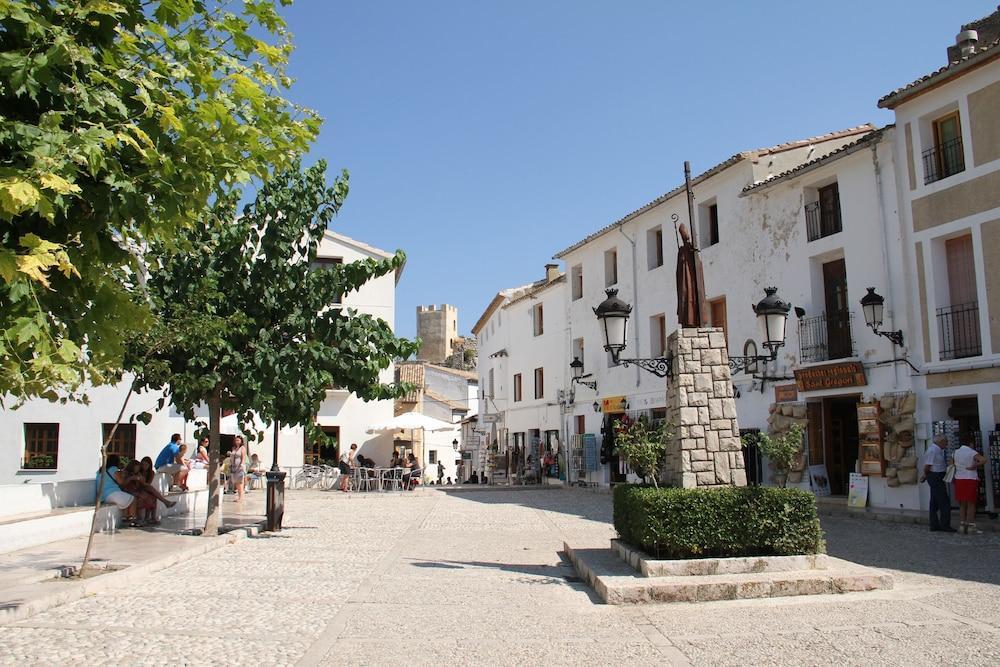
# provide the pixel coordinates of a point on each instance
(786, 393)
(831, 376)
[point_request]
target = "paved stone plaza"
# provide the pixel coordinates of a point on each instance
(476, 578)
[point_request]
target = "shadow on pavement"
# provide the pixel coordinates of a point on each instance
(589, 505)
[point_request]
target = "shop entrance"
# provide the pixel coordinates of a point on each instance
(840, 417)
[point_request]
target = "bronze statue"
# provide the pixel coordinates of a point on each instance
(691, 310)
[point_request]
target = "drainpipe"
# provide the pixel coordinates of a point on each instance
(635, 296)
(885, 251)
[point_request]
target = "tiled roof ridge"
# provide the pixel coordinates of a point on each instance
(962, 63)
(842, 151)
(536, 288)
(725, 164)
(973, 25)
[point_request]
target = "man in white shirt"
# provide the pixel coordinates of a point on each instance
(935, 466)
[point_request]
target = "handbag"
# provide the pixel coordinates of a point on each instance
(949, 474)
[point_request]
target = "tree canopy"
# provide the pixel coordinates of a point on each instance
(120, 122)
(247, 319)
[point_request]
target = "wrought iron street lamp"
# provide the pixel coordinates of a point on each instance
(873, 305)
(613, 315)
(578, 377)
(772, 315)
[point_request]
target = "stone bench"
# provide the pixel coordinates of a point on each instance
(34, 514)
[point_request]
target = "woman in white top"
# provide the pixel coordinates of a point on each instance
(237, 466)
(967, 464)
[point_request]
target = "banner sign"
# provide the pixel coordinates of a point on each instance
(831, 376)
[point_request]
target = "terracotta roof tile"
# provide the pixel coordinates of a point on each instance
(982, 55)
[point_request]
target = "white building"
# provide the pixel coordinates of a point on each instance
(72, 434)
(446, 394)
(523, 371)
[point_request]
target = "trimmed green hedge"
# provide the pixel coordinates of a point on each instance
(716, 523)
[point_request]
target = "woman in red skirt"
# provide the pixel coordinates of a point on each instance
(967, 464)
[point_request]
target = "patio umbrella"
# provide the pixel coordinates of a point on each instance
(413, 421)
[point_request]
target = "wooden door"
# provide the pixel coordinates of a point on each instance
(838, 329)
(814, 431)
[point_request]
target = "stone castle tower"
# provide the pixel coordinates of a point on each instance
(437, 328)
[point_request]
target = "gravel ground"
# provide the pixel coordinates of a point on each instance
(477, 578)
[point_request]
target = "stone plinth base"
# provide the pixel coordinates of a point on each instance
(706, 450)
(616, 582)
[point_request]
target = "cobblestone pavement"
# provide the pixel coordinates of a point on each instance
(476, 578)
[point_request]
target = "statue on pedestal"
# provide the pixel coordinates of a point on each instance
(691, 308)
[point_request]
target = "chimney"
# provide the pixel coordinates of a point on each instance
(966, 42)
(551, 272)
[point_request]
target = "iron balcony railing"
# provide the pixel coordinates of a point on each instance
(822, 220)
(959, 329)
(825, 337)
(943, 160)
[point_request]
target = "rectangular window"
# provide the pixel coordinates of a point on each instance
(539, 383)
(658, 335)
(123, 442)
(578, 352)
(41, 446)
(581, 424)
(324, 262)
(610, 267)
(713, 224)
(517, 387)
(577, 277)
(823, 215)
(538, 320)
(432, 457)
(654, 248)
(947, 156)
(717, 315)
(958, 321)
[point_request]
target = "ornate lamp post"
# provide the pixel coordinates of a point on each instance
(873, 306)
(578, 377)
(772, 315)
(613, 315)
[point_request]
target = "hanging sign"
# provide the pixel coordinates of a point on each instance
(491, 418)
(613, 404)
(786, 393)
(831, 376)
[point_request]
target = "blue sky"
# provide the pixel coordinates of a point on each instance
(483, 137)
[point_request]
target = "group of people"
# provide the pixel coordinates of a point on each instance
(964, 473)
(130, 486)
(131, 489)
(351, 460)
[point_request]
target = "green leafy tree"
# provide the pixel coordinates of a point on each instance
(643, 444)
(119, 122)
(781, 449)
(245, 318)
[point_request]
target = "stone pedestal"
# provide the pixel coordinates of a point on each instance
(705, 451)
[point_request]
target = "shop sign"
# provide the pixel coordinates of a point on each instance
(831, 376)
(786, 393)
(613, 404)
(857, 496)
(491, 418)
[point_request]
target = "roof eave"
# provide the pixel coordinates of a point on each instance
(935, 79)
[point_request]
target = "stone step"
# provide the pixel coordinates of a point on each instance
(615, 582)
(652, 567)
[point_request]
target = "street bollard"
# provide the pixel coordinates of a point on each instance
(275, 499)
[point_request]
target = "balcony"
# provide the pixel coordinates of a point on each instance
(823, 337)
(943, 160)
(958, 327)
(822, 220)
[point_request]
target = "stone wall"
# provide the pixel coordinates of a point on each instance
(705, 451)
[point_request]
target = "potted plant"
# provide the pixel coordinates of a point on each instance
(781, 451)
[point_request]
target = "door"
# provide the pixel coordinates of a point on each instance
(838, 328)
(318, 453)
(841, 421)
(960, 328)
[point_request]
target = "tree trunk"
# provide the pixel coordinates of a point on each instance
(212, 519)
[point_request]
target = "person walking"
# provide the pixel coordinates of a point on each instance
(440, 471)
(238, 467)
(935, 466)
(967, 464)
(346, 465)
